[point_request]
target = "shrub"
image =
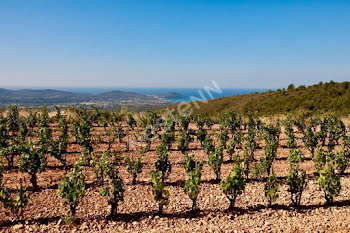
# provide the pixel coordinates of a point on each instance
(33, 161)
(208, 145)
(13, 119)
(82, 132)
(270, 150)
(215, 161)
(111, 134)
(336, 130)
(17, 204)
(72, 190)
(248, 156)
(329, 183)
(234, 184)
(310, 138)
(115, 193)
(161, 194)
(271, 189)
(192, 184)
(147, 136)
(190, 164)
(296, 181)
(295, 157)
(342, 159)
(167, 139)
(184, 140)
(184, 123)
(223, 137)
(131, 122)
(59, 147)
(321, 158)
(288, 127)
(4, 144)
(134, 167)
(45, 139)
(208, 121)
(235, 143)
(163, 164)
(44, 118)
(201, 134)
(32, 119)
(101, 165)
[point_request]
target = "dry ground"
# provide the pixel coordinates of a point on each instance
(137, 213)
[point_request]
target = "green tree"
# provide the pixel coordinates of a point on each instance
(291, 87)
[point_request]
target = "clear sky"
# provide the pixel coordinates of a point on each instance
(173, 43)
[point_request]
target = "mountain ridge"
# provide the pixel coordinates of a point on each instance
(328, 97)
(34, 97)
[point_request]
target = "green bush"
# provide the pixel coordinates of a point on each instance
(72, 189)
(193, 183)
(329, 183)
(234, 184)
(163, 164)
(101, 165)
(296, 181)
(235, 143)
(184, 140)
(342, 159)
(215, 161)
(161, 193)
(114, 191)
(223, 137)
(15, 205)
(208, 145)
(134, 167)
(13, 119)
(33, 161)
(295, 157)
(322, 157)
(271, 189)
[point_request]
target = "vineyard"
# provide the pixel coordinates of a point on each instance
(98, 170)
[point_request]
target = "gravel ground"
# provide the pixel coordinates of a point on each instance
(45, 212)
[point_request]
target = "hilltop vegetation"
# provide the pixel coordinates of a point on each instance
(329, 97)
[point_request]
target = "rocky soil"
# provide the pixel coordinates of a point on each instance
(45, 212)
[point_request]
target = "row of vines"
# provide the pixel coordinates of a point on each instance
(34, 137)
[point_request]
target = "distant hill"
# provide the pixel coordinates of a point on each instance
(319, 98)
(28, 97)
(37, 97)
(120, 95)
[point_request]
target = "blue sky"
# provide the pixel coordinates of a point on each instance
(174, 43)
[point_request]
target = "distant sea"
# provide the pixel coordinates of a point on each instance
(186, 92)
